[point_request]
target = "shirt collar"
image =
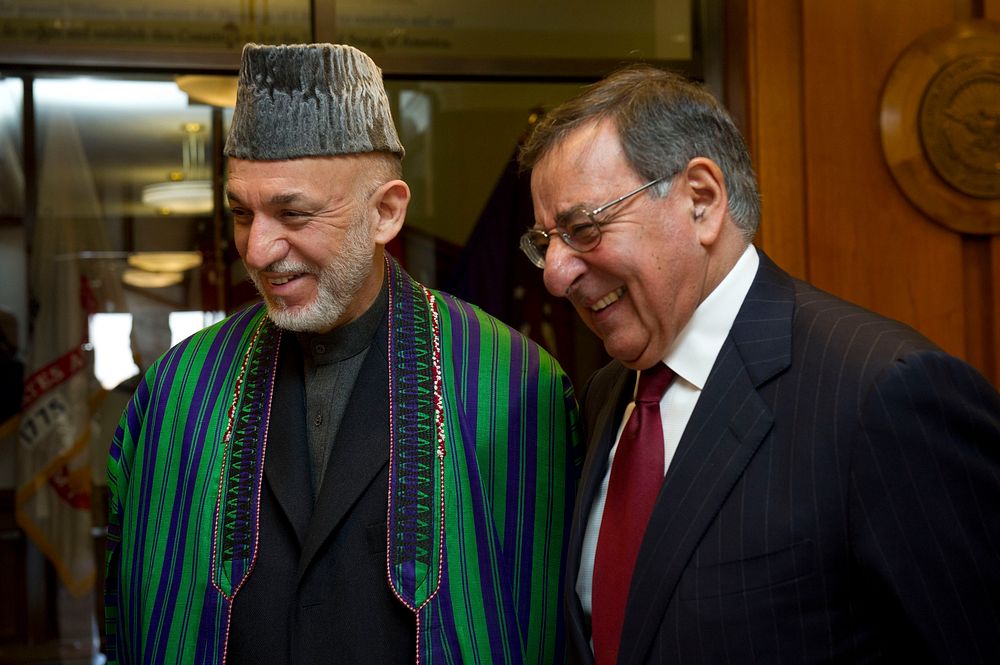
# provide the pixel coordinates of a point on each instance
(693, 353)
(350, 339)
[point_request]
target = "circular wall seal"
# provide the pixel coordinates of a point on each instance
(940, 125)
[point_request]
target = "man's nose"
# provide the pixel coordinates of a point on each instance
(563, 266)
(266, 242)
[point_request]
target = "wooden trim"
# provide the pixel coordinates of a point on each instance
(992, 339)
(736, 79)
(980, 299)
(84, 57)
(991, 11)
(775, 128)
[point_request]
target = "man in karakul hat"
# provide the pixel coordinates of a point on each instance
(360, 469)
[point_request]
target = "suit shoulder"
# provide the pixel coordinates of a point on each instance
(830, 334)
(818, 313)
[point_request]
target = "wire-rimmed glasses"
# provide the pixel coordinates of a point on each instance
(579, 228)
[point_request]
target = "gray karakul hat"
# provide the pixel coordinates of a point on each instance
(309, 100)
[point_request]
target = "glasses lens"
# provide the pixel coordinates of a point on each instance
(533, 244)
(582, 233)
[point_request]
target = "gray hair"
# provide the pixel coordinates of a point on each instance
(376, 169)
(664, 121)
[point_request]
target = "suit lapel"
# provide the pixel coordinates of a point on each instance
(613, 387)
(287, 466)
(360, 451)
(725, 431)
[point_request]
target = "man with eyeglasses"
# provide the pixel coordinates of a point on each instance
(773, 474)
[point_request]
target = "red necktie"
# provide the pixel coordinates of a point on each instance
(636, 477)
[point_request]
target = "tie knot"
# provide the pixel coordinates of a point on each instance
(653, 382)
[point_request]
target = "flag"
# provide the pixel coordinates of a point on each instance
(53, 499)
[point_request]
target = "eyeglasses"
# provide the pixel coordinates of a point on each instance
(579, 228)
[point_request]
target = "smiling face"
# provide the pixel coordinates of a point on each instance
(639, 287)
(307, 238)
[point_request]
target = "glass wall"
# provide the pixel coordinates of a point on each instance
(13, 295)
(127, 176)
(125, 203)
(114, 182)
(112, 120)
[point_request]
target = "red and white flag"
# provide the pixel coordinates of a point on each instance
(53, 501)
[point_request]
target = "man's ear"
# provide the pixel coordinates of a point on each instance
(389, 203)
(709, 200)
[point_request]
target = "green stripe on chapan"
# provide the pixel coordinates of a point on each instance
(550, 482)
(482, 615)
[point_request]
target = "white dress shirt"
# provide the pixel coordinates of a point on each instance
(691, 357)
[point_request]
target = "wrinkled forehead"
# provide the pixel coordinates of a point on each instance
(588, 167)
(592, 141)
(336, 176)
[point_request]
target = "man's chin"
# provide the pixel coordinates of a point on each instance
(296, 319)
(631, 353)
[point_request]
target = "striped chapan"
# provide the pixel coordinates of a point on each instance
(484, 457)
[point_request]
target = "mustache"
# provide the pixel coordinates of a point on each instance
(286, 265)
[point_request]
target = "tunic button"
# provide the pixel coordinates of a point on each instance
(320, 348)
(318, 420)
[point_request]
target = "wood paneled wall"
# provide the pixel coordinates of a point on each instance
(805, 77)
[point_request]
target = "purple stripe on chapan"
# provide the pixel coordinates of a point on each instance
(146, 447)
(114, 535)
(208, 390)
(132, 422)
(486, 537)
(438, 626)
(214, 622)
(465, 336)
(571, 463)
(522, 460)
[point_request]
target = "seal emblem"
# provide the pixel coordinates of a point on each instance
(940, 124)
(960, 125)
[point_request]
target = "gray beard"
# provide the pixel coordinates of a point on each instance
(337, 284)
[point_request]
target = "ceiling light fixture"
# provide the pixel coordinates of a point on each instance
(179, 197)
(207, 89)
(165, 261)
(150, 280)
(188, 191)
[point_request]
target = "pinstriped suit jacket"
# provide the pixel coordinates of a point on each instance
(834, 498)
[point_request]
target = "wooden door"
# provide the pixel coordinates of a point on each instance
(806, 79)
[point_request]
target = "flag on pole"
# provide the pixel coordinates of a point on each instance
(53, 500)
